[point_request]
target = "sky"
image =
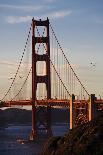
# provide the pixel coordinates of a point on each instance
(78, 25)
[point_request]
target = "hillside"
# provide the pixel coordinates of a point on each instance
(86, 139)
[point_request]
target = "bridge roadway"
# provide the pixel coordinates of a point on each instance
(52, 102)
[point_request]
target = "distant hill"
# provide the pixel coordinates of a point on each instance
(16, 115)
(86, 139)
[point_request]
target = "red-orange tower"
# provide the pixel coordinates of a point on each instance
(40, 79)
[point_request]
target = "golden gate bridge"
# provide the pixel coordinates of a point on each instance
(45, 78)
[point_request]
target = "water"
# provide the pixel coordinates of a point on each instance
(10, 134)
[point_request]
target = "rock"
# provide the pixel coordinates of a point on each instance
(86, 139)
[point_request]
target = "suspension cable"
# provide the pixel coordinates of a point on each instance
(67, 60)
(27, 75)
(19, 63)
(22, 85)
(55, 68)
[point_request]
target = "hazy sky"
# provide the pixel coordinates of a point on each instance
(78, 25)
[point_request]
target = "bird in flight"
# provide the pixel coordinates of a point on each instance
(11, 78)
(93, 64)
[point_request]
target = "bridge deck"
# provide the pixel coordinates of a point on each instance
(51, 102)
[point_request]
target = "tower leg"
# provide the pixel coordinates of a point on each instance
(92, 108)
(49, 131)
(33, 133)
(72, 115)
(36, 57)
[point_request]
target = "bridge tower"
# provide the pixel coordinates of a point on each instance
(40, 79)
